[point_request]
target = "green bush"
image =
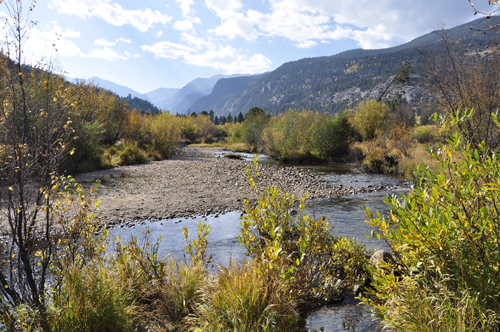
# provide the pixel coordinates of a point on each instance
(370, 119)
(301, 250)
(425, 134)
(132, 154)
(165, 129)
(332, 135)
(88, 154)
(444, 235)
(255, 121)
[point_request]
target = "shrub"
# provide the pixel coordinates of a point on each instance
(165, 129)
(425, 134)
(301, 250)
(165, 290)
(444, 235)
(332, 135)
(235, 133)
(370, 119)
(131, 154)
(255, 121)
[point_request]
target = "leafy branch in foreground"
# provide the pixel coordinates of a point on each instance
(445, 236)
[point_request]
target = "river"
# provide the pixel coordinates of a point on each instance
(345, 214)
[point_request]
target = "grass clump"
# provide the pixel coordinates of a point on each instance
(243, 298)
(91, 298)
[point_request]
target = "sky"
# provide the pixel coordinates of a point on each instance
(149, 44)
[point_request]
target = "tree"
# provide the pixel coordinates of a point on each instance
(463, 82)
(35, 131)
(332, 135)
(241, 118)
(165, 129)
(229, 118)
(401, 78)
(255, 121)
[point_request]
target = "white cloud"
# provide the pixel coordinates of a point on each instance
(307, 22)
(167, 50)
(187, 24)
(186, 7)
(159, 33)
(103, 42)
(224, 8)
(306, 44)
(237, 25)
(128, 41)
(230, 60)
(41, 42)
(105, 53)
(199, 43)
(129, 55)
(112, 13)
(234, 23)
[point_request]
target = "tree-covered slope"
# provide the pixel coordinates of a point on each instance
(224, 90)
(335, 82)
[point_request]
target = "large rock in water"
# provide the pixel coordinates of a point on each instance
(382, 255)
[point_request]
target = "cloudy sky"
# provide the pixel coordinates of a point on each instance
(149, 44)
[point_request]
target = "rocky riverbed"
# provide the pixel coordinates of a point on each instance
(196, 183)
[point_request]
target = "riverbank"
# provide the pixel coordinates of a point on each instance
(196, 183)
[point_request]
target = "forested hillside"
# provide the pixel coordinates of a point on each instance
(332, 83)
(225, 89)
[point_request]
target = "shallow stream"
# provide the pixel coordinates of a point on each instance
(346, 214)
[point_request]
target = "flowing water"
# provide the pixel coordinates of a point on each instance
(346, 214)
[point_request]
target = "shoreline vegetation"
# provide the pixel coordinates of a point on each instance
(55, 275)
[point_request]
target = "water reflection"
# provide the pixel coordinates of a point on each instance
(222, 239)
(347, 215)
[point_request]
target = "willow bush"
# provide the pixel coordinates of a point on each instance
(318, 266)
(165, 130)
(444, 235)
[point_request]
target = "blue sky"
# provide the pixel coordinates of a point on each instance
(150, 44)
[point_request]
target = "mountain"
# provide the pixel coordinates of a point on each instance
(120, 90)
(332, 83)
(162, 97)
(191, 92)
(225, 89)
(133, 98)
